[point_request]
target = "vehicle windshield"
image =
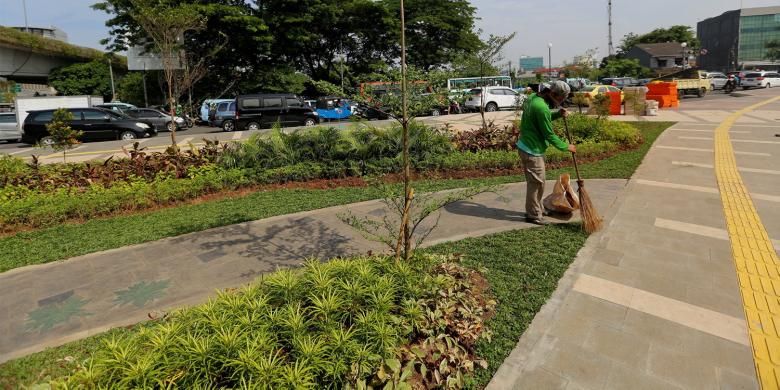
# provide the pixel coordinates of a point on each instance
(117, 115)
(588, 88)
(329, 103)
(753, 75)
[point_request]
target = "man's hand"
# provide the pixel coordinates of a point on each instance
(564, 113)
(572, 148)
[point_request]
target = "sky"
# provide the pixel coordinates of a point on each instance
(572, 26)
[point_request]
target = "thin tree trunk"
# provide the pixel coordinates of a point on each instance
(405, 126)
(172, 110)
(482, 95)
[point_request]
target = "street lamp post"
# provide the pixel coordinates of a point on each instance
(24, 7)
(684, 45)
(549, 60)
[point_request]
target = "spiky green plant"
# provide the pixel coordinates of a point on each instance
(326, 325)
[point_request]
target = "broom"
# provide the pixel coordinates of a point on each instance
(591, 220)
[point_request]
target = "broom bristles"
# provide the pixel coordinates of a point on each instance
(591, 220)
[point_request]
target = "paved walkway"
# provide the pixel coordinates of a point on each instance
(51, 304)
(653, 301)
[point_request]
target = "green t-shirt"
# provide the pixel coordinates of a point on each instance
(536, 132)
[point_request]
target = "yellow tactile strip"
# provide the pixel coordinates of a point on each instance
(757, 263)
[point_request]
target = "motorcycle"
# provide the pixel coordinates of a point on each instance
(189, 121)
(730, 86)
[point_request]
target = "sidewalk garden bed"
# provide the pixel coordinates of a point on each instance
(96, 234)
(338, 323)
(35, 196)
(347, 323)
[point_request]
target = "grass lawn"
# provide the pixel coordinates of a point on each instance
(69, 240)
(523, 268)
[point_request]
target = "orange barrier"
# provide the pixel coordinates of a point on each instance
(614, 103)
(665, 93)
(662, 88)
(664, 101)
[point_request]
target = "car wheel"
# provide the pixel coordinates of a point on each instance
(768, 85)
(253, 126)
(170, 126)
(228, 126)
(127, 136)
(309, 122)
(680, 94)
(701, 92)
(745, 88)
(46, 141)
(491, 107)
(435, 112)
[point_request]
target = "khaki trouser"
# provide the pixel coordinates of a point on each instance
(534, 178)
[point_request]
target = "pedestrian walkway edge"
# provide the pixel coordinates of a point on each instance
(755, 259)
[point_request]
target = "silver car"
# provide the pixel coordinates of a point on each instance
(717, 79)
(8, 130)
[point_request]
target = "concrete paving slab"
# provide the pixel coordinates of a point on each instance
(692, 270)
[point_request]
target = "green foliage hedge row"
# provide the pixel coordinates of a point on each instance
(22, 206)
(585, 128)
(340, 324)
(325, 153)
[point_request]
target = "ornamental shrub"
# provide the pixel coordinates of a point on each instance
(348, 323)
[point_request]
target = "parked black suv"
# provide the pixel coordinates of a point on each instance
(96, 123)
(261, 110)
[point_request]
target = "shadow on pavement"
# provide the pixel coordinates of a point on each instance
(481, 211)
(285, 243)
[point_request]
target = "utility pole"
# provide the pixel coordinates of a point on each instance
(609, 15)
(111, 73)
(24, 6)
(549, 61)
(146, 97)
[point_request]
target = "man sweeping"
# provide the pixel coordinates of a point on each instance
(536, 134)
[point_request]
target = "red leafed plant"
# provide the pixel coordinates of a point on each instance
(490, 137)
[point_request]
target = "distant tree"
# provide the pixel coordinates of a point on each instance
(438, 31)
(773, 50)
(326, 88)
(130, 88)
(676, 33)
(248, 39)
(7, 91)
(90, 78)
(623, 67)
(311, 36)
(165, 25)
(279, 79)
(583, 66)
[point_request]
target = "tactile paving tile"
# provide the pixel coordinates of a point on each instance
(755, 259)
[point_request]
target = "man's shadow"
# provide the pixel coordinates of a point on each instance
(479, 210)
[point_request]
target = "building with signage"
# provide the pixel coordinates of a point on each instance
(529, 64)
(737, 39)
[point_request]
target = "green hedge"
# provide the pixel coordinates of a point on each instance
(46, 209)
(323, 153)
(502, 159)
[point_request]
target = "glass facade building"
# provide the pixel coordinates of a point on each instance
(754, 32)
(529, 64)
(737, 39)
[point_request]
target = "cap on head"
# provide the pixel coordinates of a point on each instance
(559, 87)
